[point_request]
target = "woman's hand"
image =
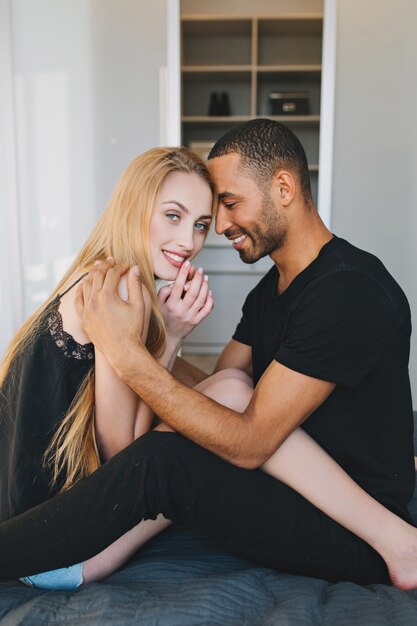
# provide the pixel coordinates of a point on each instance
(186, 302)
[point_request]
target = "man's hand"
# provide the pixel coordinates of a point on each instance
(186, 302)
(111, 323)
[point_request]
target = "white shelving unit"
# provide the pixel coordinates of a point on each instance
(246, 56)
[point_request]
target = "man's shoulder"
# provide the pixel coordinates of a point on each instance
(343, 255)
(349, 262)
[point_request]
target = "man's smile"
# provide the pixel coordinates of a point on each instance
(238, 242)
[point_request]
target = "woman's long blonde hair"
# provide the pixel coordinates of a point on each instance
(123, 233)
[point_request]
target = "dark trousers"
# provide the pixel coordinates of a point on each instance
(247, 512)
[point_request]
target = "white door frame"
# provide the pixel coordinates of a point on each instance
(327, 108)
(171, 96)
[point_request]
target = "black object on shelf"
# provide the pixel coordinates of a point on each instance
(289, 102)
(224, 103)
(219, 104)
(214, 104)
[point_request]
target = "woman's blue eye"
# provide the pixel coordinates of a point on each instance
(173, 217)
(201, 226)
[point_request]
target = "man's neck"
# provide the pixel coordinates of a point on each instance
(302, 246)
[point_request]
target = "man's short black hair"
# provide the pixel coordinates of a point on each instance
(266, 146)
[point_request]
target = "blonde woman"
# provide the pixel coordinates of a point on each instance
(62, 416)
(63, 410)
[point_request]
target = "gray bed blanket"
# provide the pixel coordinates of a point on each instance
(182, 578)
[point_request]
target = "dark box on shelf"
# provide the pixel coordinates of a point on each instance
(289, 102)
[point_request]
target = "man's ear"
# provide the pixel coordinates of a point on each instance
(283, 187)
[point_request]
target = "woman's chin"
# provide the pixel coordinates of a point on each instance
(166, 276)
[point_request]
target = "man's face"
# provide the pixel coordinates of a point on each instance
(246, 214)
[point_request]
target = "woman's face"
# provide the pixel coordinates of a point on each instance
(179, 223)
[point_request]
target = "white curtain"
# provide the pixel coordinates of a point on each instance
(10, 268)
(79, 97)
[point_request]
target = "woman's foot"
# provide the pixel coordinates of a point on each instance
(402, 565)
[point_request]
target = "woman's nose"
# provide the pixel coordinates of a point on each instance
(185, 238)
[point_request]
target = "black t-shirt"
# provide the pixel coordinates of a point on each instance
(35, 396)
(344, 319)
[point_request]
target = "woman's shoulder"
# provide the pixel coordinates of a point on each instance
(69, 317)
(68, 311)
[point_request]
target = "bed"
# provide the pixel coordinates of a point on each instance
(182, 578)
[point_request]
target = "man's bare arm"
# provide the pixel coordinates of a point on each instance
(282, 400)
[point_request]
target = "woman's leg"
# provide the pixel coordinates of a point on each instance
(303, 465)
(230, 389)
(119, 552)
(162, 473)
(248, 512)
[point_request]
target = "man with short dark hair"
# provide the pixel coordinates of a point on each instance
(324, 335)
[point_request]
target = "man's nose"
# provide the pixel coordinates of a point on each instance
(222, 222)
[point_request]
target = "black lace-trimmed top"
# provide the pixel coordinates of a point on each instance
(66, 342)
(36, 394)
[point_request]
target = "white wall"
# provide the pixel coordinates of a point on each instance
(375, 138)
(84, 89)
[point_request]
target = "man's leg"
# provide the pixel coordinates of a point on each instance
(247, 512)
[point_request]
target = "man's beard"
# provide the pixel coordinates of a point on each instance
(267, 236)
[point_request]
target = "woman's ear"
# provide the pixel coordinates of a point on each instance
(283, 187)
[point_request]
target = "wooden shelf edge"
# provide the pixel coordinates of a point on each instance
(190, 69)
(215, 118)
(301, 119)
(313, 67)
(196, 17)
(294, 68)
(195, 119)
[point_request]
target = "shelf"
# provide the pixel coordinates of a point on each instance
(293, 26)
(214, 119)
(305, 68)
(199, 26)
(298, 18)
(216, 42)
(203, 69)
(295, 68)
(289, 41)
(249, 57)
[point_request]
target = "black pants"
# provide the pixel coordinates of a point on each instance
(247, 512)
